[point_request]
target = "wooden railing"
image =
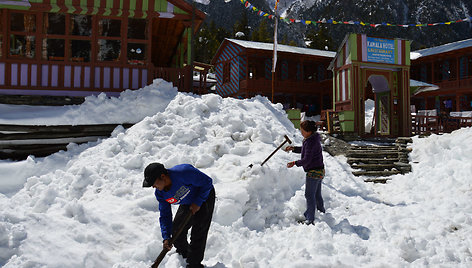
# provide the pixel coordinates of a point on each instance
(285, 85)
(180, 77)
(71, 76)
(465, 82)
(78, 76)
(424, 124)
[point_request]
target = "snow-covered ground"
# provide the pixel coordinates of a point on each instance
(86, 207)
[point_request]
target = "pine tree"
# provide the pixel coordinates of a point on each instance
(208, 40)
(262, 33)
(241, 26)
(319, 38)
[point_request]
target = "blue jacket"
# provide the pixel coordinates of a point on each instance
(312, 156)
(189, 185)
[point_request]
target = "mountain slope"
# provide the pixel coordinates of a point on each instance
(371, 11)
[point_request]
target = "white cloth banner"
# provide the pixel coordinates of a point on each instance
(274, 62)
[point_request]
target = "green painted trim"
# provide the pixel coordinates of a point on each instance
(334, 94)
(83, 4)
(339, 61)
(349, 84)
(353, 47)
(54, 6)
(69, 5)
(132, 8)
(108, 7)
(338, 89)
(96, 4)
(14, 7)
(407, 52)
(346, 126)
(178, 11)
(120, 12)
(162, 5)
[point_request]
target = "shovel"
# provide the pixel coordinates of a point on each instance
(172, 240)
(280, 146)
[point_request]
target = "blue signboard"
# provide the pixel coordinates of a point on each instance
(380, 50)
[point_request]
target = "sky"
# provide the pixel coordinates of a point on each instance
(85, 207)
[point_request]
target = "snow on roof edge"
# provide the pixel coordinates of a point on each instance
(283, 48)
(441, 49)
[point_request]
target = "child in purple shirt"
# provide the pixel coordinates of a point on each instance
(312, 163)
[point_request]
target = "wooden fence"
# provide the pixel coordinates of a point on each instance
(17, 142)
(426, 124)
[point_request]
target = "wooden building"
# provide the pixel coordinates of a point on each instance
(450, 68)
(243, 70)
(377, 69)
(79, 48)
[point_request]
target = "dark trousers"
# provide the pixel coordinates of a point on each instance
(314, 200)
(200, 224)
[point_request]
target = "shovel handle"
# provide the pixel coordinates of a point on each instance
(280, 146)
(172, 240)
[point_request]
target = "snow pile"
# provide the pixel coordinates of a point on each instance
(130, 107)
(86, 207)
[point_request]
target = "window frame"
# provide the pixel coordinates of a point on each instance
(39, 50)
(9, 33)
(226, 72)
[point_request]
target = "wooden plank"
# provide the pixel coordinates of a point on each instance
(50, 135)
(62, 128)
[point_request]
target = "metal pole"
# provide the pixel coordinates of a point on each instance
(274, 60)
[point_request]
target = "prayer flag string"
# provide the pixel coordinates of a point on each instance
(351, 22)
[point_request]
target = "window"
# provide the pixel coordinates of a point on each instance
(136, 53)
(22, 46)
(53, 49)
(309, 72)
(55, 23)
(252, 72)
(20, 22)
(109, 50)
(136, 29)
(81, 25)
(109, 27)
(22, 39)
(226, 72)
(80, 50)
(109, 44)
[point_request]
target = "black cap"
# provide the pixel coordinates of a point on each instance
(152, 172)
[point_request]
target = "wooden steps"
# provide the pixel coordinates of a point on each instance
(17, 142)
(377, 162)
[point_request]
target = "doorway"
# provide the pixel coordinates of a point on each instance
(377, 106)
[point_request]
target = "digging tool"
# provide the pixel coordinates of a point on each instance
(172, 240)
(280, 146)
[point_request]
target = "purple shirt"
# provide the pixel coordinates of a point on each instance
(312, 157)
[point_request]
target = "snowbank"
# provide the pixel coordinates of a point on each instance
(86, 207)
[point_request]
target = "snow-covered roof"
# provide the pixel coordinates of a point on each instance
(284, 48)
(441, 49)
(419, 86)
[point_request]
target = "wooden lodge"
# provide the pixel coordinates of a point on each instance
(243, 70)
(80, 48)
(377, 69)
(450, 68)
